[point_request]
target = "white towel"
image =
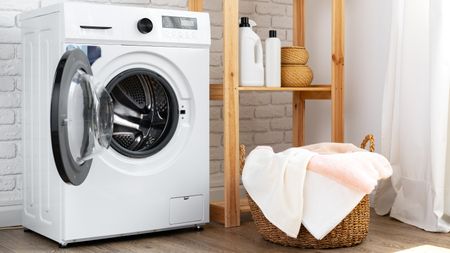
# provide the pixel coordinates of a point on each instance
(276, 183)
(326, 203)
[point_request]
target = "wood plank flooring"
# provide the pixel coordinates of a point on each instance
(386, 235)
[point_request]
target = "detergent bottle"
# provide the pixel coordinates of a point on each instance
(273, 60)
(251, 70)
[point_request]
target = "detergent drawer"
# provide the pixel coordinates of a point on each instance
(186, 209)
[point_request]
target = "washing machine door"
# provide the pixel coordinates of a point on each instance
(81, 117)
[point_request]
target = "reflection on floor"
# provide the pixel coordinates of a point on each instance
(386, 235)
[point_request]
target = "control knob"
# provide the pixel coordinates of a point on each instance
(145, 25)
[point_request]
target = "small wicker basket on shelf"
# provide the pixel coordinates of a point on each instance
(294, 55)
(351, 231)
(294, 71)
(296, 76)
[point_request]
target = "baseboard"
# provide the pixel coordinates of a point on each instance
(10, 216)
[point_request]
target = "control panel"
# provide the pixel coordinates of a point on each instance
(136, 25)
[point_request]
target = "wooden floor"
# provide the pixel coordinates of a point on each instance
(386, 235)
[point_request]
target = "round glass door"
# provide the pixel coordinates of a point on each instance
(145, 113)
(81, 117)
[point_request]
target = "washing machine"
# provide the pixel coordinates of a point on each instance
(115, 120)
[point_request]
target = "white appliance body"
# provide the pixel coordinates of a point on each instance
(120, 195)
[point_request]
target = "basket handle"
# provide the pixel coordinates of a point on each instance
(242, 154)
(369, 138)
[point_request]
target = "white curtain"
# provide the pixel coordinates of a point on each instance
(415, 126)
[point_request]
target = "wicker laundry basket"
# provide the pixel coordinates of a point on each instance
(351, 231)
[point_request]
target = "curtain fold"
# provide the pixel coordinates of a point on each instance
(415, 127)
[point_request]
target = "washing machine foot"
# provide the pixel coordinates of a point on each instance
(63, 245)
(198, 227)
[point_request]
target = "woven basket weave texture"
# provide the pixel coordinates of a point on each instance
(294, 55)
(296, 76)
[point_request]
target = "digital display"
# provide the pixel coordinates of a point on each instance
(179, 22)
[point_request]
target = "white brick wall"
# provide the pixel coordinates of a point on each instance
(10, 102)
(265, 117)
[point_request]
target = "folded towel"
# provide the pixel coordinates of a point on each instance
(276, 182)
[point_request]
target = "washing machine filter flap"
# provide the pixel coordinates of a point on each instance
(81, 117)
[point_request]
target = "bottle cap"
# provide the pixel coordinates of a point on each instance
(272, 33)
(245, 22)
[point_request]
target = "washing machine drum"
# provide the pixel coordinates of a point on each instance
(137, 114)
(145, 112)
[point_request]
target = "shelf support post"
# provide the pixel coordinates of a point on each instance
(231, 112)
(298, 102)
(195, 5)
(337, 69)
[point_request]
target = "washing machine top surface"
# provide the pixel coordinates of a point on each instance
(128, 25)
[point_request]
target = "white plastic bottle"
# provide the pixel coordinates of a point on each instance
(251, 70)
(273, 60)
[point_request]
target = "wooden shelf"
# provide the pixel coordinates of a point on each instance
(321, 87)
(228, 212)
(316, 91)
(217, 210)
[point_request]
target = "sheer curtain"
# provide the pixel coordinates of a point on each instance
(415, 126)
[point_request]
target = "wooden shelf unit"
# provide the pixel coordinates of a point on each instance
(228, 211)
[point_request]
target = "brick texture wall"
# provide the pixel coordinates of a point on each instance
(265, 117)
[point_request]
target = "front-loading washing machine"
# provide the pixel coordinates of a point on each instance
(115, 120)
